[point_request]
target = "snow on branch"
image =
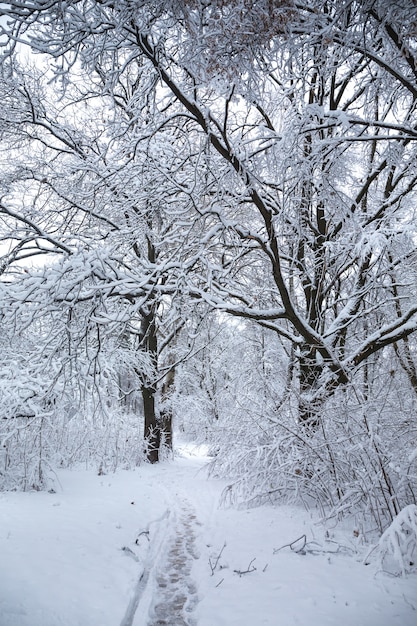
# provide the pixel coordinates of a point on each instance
(387, 335)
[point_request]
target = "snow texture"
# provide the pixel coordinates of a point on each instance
(152, 547)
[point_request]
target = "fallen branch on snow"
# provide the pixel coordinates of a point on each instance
(144, 532)
(302, 546)
(249, 569)
(298, 545)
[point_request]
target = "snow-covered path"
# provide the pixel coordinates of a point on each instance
(171, 586)
(167, 565)
(176, 592)
(152, 548)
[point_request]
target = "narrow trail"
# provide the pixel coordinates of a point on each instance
(165, 593)
(201, 564)
(176, 593)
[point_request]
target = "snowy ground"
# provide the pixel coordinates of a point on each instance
(152, 547)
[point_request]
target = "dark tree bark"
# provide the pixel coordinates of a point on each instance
(149, 343)
(166, 416)
(308, 406)
(152, 432)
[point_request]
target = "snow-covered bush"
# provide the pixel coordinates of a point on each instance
(63, 401)
(32, 449)
(343, 469)
(396, 550)
(359, 462)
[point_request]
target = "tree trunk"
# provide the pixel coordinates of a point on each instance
(152, 432)
(166, 412)
(308, 405)
(149, 343)
(166, 428)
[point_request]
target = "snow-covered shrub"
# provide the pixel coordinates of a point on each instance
(63, 402)
(346, 467)
(359, 462)
(30, 396)
(32, 449)
(396, 550)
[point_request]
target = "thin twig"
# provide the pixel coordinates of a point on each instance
(246, 571)
(293, 544)
(144, 532)
(213, 566)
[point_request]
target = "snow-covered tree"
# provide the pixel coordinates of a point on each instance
(270, 167)
(76, 191)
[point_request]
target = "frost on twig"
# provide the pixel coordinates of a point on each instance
(396, 550)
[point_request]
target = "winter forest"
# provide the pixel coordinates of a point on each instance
(208, 232)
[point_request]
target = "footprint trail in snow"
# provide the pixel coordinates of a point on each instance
(176, 593)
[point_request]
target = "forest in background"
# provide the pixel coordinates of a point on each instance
(207, 219)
